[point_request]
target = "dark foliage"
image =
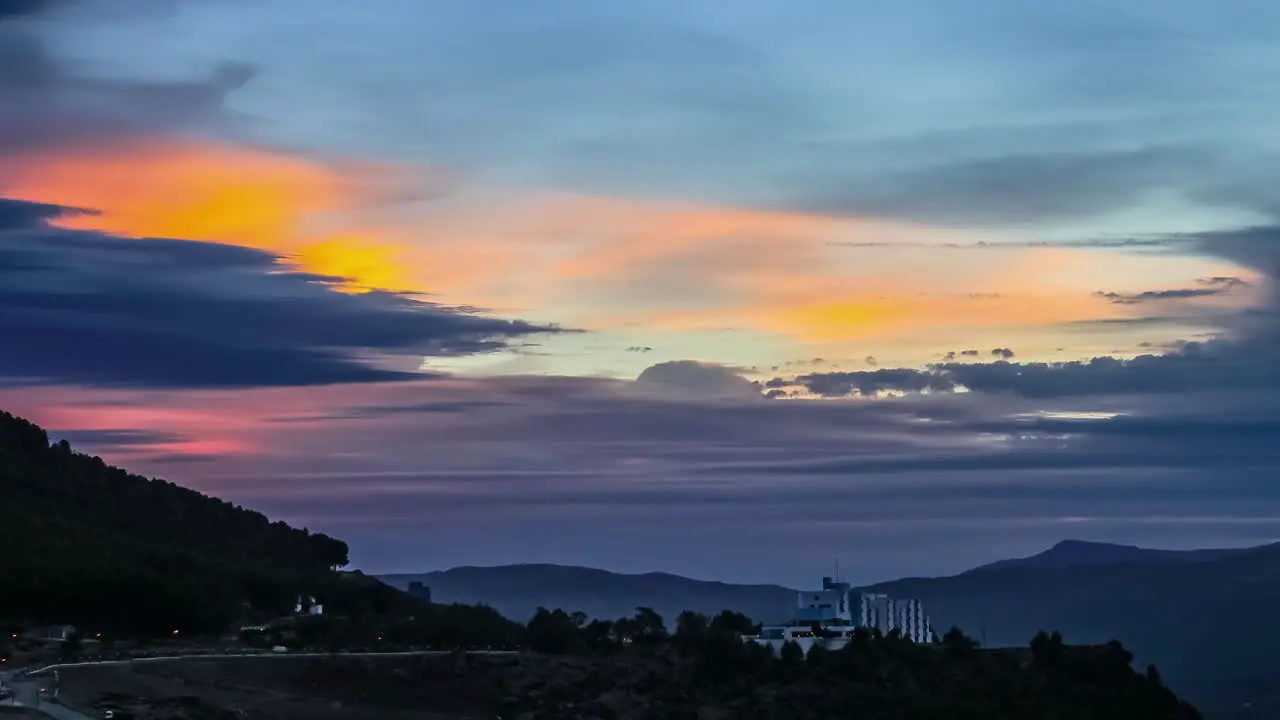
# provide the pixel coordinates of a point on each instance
(85, 543)
(704, 663)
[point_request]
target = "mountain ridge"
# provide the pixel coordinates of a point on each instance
(518, 590)
(1181, 610)
(1076, 553)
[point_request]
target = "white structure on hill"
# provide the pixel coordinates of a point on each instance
(311, 607)
(836, 612)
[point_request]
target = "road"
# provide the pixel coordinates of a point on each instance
(217, 656)
(26, 692)
(27, 689)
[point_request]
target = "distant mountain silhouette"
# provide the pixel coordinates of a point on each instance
(518, 590)
(1075, 553)
(1204, 617)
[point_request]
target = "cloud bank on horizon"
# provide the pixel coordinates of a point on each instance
(729, 293)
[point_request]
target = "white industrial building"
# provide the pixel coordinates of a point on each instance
(310, 607)
(839, 611)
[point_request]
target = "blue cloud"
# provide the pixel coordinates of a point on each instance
(989, 112)
(53, 101)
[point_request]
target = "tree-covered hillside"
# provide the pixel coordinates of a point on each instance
(85, 543)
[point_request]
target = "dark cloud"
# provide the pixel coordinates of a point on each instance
(1154, 295)
(696, 379)
(17, 215)
(969, 353)
(872, 382)
(639, 349)
(10, 9)
(114, 439)
(1196, 366)
(1209, 287)
(1004, 353)
(1008, 189)
(1223, 282)
(374, 412)
(91, 308)
(49, 101)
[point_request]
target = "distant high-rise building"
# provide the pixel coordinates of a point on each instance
(420, 591)
(876, 612)
(832, 616)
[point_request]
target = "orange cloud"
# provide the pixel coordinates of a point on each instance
(287, 205)
(844, 316)
(592, 262)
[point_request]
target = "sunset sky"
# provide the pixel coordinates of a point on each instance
(722, 289)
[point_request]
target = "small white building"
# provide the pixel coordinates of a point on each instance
(310, 607)
(838, 612)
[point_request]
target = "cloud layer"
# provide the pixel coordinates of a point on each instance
(920, 284)
(52, 102)
(85, 307)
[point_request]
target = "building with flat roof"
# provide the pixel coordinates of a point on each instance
(832, 615)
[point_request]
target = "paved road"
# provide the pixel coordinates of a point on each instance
(172, 658)
(27, 692)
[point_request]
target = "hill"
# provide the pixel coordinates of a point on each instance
(1205, 623)
(517, 591)
(92, 545)
(1076, 553)
(1201, 616)
(696, 673)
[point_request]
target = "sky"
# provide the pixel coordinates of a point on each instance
(731, 292)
